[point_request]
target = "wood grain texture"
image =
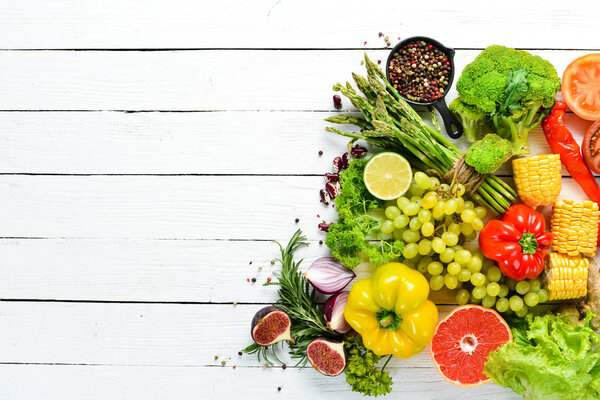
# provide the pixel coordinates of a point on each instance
(292, 24)
(189, 80)
(252, 142)
(72, 382)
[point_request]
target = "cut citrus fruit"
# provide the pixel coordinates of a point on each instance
(462, 342)
(581, 86)
(387, 176)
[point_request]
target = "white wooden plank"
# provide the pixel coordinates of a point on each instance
(60, 382)
(181, 143)
(292, 24)
(188, 80)
(182, 207)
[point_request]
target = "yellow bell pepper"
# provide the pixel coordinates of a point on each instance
(391, 311)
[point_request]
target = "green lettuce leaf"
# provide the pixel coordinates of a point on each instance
(549, 359)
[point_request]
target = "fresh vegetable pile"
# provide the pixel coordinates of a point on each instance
(425, 217)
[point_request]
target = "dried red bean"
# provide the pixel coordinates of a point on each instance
(325, 199)
(337, 102)
(345, 160)
(324, 226)
(332, 177)
(358, 151)
(332, 190)
(337, 165)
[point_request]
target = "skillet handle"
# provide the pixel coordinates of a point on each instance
(453, 128)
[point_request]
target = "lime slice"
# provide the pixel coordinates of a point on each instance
(387, 176)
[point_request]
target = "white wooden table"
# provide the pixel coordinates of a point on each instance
(151, 150)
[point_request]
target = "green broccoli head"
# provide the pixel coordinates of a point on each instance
(471, 118)
(513, 88)
(488, 154)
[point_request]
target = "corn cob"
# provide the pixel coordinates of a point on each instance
(575, 227)
(538, 179)
(566, 276)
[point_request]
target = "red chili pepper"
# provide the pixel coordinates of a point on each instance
(517, 242)
(562, 143)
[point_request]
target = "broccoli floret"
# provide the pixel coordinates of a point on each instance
(471, 118)
(512, 88)
(488, 154)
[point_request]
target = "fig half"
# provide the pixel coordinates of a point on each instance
(327, 356)
(270, 325)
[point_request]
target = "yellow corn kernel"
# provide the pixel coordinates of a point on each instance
(538, 179)
(566, 276)
(575, 227)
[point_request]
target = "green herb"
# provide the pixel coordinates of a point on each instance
(389, 122)
(357, 231)
(550, 358)
(361, 372)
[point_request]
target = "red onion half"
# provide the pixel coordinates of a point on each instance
(328, 275)
(333, 310)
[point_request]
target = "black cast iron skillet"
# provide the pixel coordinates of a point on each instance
(453, 127)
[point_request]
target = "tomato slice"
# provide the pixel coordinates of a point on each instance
(581, 86)
(591, 147)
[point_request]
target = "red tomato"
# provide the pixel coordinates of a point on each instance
(581, 86)
(591, 147)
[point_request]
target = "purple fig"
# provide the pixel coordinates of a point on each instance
(270, 325)
(327, 356)
(333, 310)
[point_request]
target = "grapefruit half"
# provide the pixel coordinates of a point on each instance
(462, 342)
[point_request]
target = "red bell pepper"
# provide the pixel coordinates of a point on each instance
(518, 242)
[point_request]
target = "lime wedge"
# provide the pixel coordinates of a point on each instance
(387, 176)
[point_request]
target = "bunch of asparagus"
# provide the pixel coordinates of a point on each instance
(391, 123)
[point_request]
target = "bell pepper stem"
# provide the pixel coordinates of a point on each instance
(388, 319)
(528, 243)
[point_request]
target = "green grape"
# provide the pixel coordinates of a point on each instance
(424, 216)
(477, 224)
(479, 292)
(478, 279)
(503, 291)
(480, 212)
(462, 257)
(392, 212)
(502, 304)
(387, 227)
(423, 263)
(411, 209)
(474, 264)
(466, 229)
(515, 303)
(435, 182)
(454, 228)
(438, 245)
(410, 250)
(422, 269)
(535, 285)
(412, 263)
(522, 287)
(401, 221)
(512, 284)
(444, 187)
(468, 215)
(543, 295)
(450, 207)
(471, 236)
(493, 289)
(494, 274)
(460, 190)
(453, 268)
(531, 299)
(522, 312)
(462, 297)
(410, 236)
(450, 238)
(438, 210)
(415, 190)
(450, 281)
(398, 234)
(402, 202)
(415, 224)
(469, 205)
(457, 247)
(435, 268)
(461, 204)
(424, 247)
(464, 275)
(436, 282)
(416, 199)
(488, 301)
(422, 180)
(447, 255)
(427, 229)
(486, 264)
(429, 201)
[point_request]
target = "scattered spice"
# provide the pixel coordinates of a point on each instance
(240, 353)
(216, 357)
(223, 362)
(378, 61)
(297, 220)
(283, 366)
(320, 242)
(362, 62)
(380, 34)
(320, 152)
(272, 262)
(247, 279)
(389, 44)
(279, 388)
(233, 367)
(268, 279)
(235, 303)
(260, 267)
(365, 43)
(337, 102)
(386, 38)
(253, 280)
(250, 263)
(265, 366)
(420, 71)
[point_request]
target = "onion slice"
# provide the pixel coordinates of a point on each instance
(328, 275)
(333, 310)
